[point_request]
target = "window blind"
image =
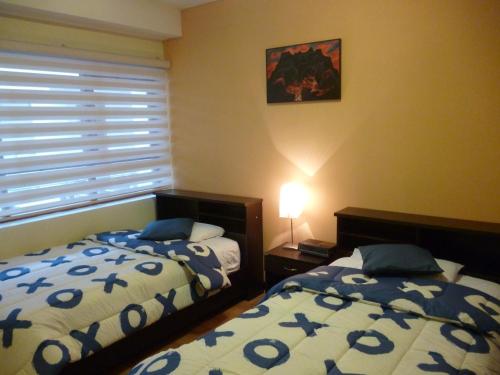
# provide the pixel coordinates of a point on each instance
(76, 132)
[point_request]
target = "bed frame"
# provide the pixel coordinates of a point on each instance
(241, 217)
(474, 244)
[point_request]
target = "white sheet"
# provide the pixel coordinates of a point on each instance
(493, 289)
(227, 251)
(351, 262)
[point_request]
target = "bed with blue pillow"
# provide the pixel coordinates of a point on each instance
(337, 320)
(392, 308)
(62, 304)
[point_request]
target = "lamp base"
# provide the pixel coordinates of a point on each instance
(291, 246)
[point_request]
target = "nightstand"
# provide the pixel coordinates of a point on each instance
(282, 263)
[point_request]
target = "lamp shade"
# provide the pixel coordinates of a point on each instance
(292, 200)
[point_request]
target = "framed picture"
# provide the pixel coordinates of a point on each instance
(303, 72)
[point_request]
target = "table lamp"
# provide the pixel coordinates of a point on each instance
(292, 201)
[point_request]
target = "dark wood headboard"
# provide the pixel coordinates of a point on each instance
(241, 218)
(472, 243)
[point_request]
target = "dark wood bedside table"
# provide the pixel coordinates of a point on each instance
(281, 263)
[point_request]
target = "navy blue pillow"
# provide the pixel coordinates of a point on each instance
(392, 259)
(168, 229)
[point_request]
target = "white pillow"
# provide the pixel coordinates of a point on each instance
(449, 274)
(356, 253)
(204, 231)
(450, 270)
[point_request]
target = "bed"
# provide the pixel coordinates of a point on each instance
(337, 320)
(96, 298)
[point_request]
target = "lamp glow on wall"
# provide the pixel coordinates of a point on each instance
(293, 198)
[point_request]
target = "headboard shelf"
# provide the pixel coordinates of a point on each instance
(369, 239)
(472, 243)
(224, 217)
(420, 220)
(209, 197)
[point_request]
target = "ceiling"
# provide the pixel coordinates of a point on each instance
(183, 4)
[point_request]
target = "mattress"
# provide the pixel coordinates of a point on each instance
(61, 304)
(227, 251)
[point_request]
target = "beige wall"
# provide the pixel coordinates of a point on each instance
(21, 238)
(417, 129)
(35, 235)
(53, 35)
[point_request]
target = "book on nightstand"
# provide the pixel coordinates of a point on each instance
(316, 247)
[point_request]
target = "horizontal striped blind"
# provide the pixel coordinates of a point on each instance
(76, 132)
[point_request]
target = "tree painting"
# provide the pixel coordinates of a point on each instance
(303, 72)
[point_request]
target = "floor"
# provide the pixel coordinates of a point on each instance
(199, 330)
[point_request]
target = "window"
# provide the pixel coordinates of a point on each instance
(76, 132)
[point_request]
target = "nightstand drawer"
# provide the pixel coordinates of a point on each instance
(285, 267)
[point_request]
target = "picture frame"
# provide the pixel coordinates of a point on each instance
(304, 72)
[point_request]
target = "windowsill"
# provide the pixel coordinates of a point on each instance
(74, 211)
